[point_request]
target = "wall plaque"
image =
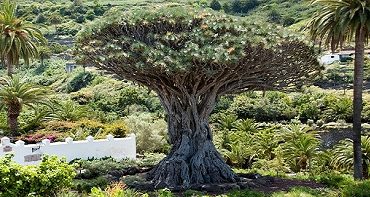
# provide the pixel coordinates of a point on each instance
(7, 149)
(34, 157)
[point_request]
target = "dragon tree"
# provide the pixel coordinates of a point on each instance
(190, 58)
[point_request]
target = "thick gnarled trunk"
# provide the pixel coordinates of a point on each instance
(193, 159)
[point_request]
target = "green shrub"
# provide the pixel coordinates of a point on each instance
(80, 81)
(300, 146)
(359, 189)
(117, 128)
(273, 107)
(86, 185)
(90, 15)
(243, 6)
(274, 16)
(215, 5)
(334, 180)
(69, 111)
(343, 154)
(116, 190)
(305, 192)
(46, 179)
(341, 109)
(151, 133)
(40, 19)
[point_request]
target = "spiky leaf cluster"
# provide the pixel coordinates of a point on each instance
(196, 49)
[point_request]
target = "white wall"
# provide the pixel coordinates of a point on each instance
(329, 59)
(117, 148)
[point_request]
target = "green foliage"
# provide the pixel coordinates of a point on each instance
(151, 133)
(57, 48)
(306, 192)
(165, 193)
(266, 142)
(215, 5)
(82, 185)
(243, 6)
(117, 128)
(16, 94)
(275, 106)
(19, 38)
(334, 180)
(227, 122)
(116, 190)
(197, 42)
(46, 179)
(68, 111)
(358, 189)
(341, 109)
(326, 24)
(239, 154)
(80, 81)
(274, 16)
(343, 154)
(300, 146)
(40, 19)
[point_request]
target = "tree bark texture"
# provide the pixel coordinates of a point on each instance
(13, 114)
(193, 158)
(9, 68)
(357, 102)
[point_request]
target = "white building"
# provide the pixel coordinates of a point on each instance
(342, 56)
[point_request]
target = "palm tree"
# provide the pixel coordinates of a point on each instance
(334, 23)
(16, 93)
(343, 155)
(18, 38)
(300, 147)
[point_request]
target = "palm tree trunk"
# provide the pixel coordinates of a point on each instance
(42, 60)
(13, 114)
(9, 67)
(357, 101)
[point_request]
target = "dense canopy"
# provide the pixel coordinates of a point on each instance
(178, 45)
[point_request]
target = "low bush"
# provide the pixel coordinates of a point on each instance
(117, 128)
(116, 190)
(46, 179)
(85, 185)
(35, 138)
(151, 133)
(359, 189)
(334, 180)
(80, 81)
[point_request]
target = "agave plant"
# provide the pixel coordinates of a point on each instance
(16, 93)
(343, 155)
(300, 147)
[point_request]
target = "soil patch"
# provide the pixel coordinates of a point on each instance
(266, 184)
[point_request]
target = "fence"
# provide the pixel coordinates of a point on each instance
(117, 148)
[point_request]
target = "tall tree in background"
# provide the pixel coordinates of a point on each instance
(18, 38)
(336, 22)
(190, 58)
